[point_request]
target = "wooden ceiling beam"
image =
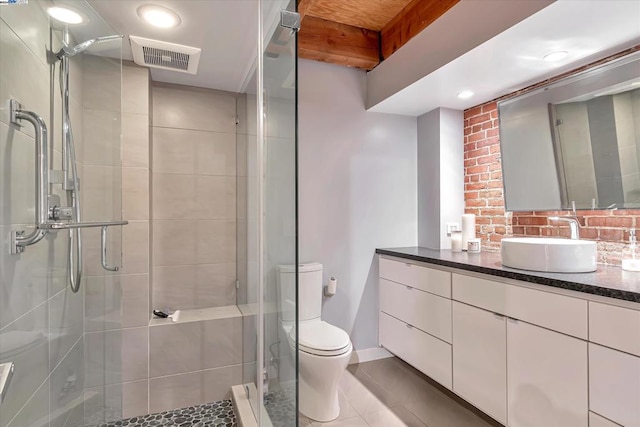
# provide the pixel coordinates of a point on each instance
(415, 17)
(303, 8)
(341, 44)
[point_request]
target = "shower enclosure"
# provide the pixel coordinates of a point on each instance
(88, 248)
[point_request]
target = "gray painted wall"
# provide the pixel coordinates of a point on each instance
(440, 175)
(357, 191)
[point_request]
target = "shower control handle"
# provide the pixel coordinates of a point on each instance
(58, 213)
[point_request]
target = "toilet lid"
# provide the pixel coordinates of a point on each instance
(321, 338)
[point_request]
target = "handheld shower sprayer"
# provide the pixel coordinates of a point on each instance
(69, 51)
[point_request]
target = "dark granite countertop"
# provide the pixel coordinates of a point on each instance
(608, 281)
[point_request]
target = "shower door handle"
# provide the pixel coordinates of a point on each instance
(103, 244)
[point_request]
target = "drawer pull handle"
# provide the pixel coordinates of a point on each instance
(498, 316)
(408, 287)
(408, 265)
(409, 326)
(512, 320)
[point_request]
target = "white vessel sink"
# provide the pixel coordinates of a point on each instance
(552, 255)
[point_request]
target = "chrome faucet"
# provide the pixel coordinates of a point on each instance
(574, 225)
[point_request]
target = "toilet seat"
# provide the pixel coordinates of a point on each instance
(321, 339)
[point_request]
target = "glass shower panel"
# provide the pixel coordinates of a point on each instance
(43, 330)
(279, 231)
(267, 152)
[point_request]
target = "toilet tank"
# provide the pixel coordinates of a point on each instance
(309, 291)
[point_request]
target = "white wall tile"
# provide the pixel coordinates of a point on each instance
(135, 140)
(194, 286)
(101, 143)
(176, 391)
(135, 89)
(191, 108)
(24, 78)
(193, 152)
(135, 193)
(175, 349)
(102, 83)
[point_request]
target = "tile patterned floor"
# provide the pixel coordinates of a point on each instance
(390, 393)
(218, 414)
(281, 406)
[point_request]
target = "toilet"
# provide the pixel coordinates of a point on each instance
(324, 350)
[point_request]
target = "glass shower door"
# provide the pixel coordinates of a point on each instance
(43, 329)
(270, 313)
(279, 230)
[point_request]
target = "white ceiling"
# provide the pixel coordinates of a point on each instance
(225, 30)
(588, 30)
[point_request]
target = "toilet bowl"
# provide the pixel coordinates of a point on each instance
(324, 350)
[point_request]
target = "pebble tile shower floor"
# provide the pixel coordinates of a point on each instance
(216, 414)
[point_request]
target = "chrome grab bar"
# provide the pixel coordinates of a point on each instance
(103, 257)
(103, 235)
(18, 238)
(70, 225)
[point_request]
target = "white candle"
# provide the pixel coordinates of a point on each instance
(468, 229)
(456, 241)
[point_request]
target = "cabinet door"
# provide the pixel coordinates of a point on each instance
(546, 378)
(480, 359)
(614, 385)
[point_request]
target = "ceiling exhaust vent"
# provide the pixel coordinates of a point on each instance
(164, 55)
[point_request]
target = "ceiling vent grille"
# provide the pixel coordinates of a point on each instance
(164, 55)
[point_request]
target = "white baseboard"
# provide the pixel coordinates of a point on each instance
(368, 354)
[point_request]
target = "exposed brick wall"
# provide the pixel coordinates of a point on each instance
(484, 197)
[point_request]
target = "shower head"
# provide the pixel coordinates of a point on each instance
(69, 51)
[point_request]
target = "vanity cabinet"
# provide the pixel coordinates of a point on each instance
(524, 355)
(480, 359)
(415, 317)
(523, 346)
(547, 377)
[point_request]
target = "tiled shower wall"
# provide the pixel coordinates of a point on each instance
(193, 197)
(181, 185)
(41, 328)
(484, 191)
(193, 181)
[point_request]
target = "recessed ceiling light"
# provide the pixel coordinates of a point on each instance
(65, 15)
(555, 56)
(465, 94)
(159, 16)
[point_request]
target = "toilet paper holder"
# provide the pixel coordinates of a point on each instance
(330, 289)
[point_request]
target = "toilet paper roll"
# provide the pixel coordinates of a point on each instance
(468, 229)
(331, 287)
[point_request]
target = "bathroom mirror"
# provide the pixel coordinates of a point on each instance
(575, 143)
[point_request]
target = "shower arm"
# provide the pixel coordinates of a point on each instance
(18, 238)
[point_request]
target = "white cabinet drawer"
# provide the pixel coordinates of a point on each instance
(557, 312)
(615, 327)
(425, 311)
(596, 420)
(427, 279)
(419, 349)
(614, 385)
